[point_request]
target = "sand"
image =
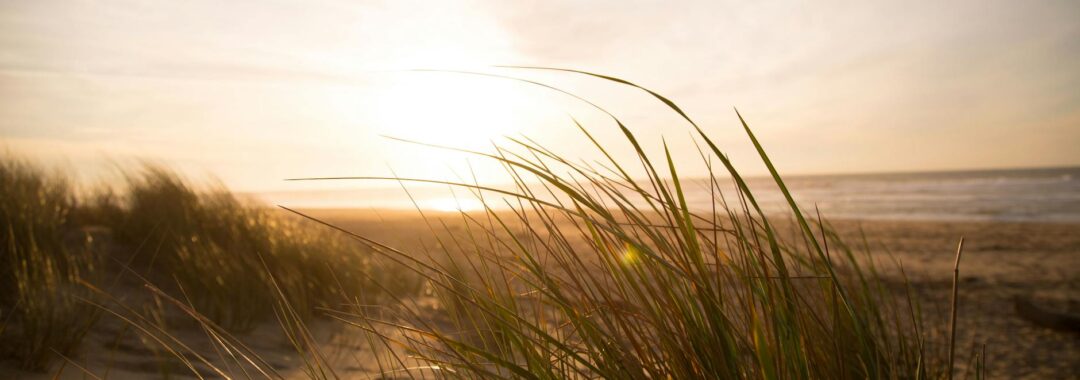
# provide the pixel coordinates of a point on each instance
(1002, 260)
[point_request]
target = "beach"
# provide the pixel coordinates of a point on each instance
(542, 190)
(1001, 261)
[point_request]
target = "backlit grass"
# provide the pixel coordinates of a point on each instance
(594, 273)
(581, 270)
(42, 262)
(223, 250)
(226, 257)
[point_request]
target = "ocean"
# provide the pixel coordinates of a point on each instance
(1023, 195)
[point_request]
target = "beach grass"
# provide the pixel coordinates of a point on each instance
(225, 256)
(224, 250)
(579, 270)
(42, 263)
(595, 273)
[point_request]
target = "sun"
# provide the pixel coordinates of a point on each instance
(459, 110)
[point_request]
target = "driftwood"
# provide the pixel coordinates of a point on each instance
(1041, 317)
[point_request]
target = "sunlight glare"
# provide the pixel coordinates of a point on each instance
(455, 110)
(630, 255)
(452, 205)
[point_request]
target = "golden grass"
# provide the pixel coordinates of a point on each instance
(223, 251)
(657, 290)
(40, 273)
(591, 274)
(221, 254)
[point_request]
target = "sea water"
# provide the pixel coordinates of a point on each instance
(1038, 195)
(1051, 195)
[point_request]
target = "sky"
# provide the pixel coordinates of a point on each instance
(252, 92)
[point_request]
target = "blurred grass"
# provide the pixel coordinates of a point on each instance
(205, 245)
(42, 261)
(223, 250)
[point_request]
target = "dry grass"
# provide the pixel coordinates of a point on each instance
(220, 254)
(591, 274)
(223, 251)
(597, 274)
(42, 262)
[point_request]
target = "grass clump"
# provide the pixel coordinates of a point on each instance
(43, 259)
(234, 263)
(592, 273)
(579, 271)
(224, 251)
